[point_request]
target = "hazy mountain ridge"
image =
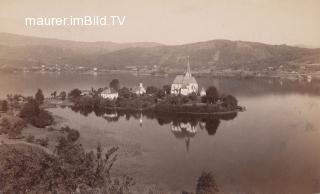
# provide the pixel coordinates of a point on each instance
(22, 41)
(16, 50)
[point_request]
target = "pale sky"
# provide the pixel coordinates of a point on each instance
(173, 21)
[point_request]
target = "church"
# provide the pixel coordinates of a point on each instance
(184, 84)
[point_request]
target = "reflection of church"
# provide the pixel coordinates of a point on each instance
(183, 126)
(184, 130)
(186, 127)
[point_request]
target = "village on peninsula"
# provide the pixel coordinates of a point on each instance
(182, 96)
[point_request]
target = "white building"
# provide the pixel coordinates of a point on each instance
(109, 93)
(184, 84)
(203, 92)
(139, 90)
(86, 92)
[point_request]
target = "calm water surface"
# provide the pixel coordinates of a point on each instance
(273, 147)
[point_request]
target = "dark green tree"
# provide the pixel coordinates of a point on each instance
(152, 90)
(75, 93)
(39, 97)
(161, 93)
(230, 102)
(193, 96)
(54, 94)
(211, 95)
(115, 84)
(124, 92)
(206, 184)
(185, 99)
(167, 89)
(63, 95)
(34, 115)
(30, 109)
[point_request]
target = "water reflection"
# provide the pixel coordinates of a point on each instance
(259, 147)
(183, 126)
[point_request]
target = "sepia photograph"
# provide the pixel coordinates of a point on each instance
(159, 97)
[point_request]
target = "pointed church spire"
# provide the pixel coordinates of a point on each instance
(188, 73)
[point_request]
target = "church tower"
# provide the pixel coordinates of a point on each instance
(188, 73)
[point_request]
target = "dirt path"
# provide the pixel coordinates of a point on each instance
(5, 140)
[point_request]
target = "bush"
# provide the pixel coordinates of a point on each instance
(16, 129)
(124, 92)
(30, 139)
(34, 115)
(115, 84)
(206, 184)
(39, 96)
(75, 93)
(152, 90)
(211, 94)
(193, 96)
(167, 89)
(30, 109)
(73, 135)
(4, 125)
(12, 127)
(42, 120)
(51, 129)
(43, 142)
(62, 95)
(229, 102)
(71, 170)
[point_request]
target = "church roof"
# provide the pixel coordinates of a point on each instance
(178, 79)
(138, 88)
(184, 80)
(109, 91)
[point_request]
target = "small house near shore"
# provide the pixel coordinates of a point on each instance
(203, 92)
(109, 93)
(86, 92)
(139, 90)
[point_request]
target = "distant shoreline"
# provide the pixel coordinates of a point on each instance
(219, 74)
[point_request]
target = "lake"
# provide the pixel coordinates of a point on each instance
(273, 147)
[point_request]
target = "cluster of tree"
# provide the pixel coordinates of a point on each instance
(15, 101)
(39, 97)
(14, 97)
(159, 92)
(70, 170)
(185, 104)
(62, 95)
(212, 96)
(72, 134)
(155, 98)
(32, 113)
(170, 103)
